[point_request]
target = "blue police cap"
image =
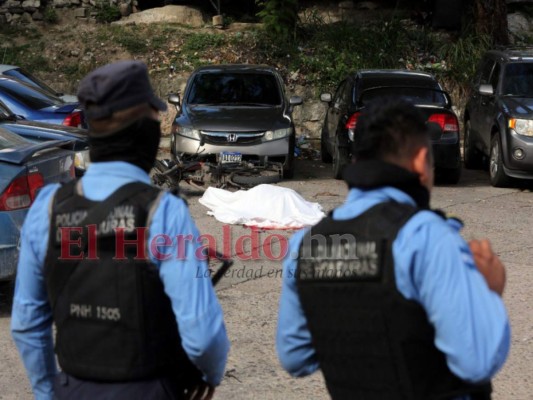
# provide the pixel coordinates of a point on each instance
(115, 87)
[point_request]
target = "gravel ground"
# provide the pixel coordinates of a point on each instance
(250, 305)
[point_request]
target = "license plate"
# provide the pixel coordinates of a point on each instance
(230, 157)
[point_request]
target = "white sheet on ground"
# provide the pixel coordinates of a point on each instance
(263, 206)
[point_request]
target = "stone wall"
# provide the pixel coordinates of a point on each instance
(25, 11)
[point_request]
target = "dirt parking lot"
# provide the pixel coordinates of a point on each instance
(250, 299)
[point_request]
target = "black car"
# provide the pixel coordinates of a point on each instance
(233, 113)
(420, 88)
(498, 119)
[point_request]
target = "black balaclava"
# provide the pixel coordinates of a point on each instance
(137, 144)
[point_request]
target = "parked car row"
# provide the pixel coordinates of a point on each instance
(498, 117)
(421, 89)
(41, 142)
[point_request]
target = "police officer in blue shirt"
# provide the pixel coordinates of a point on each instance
(384, 296)
(112, 262)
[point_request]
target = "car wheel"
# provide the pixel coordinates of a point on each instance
(497, 174)
(340, 159)
(472, 157)
(324, 153)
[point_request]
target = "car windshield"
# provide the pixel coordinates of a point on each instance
(25, 76)
(518, 80)
(9, 140)
(235, 88)
(31, 97)
(416, 95)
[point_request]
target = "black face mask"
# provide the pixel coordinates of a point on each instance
(136, 144)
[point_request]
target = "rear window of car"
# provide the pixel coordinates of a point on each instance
(25, 76)
(518, 79)
(235, 89)
(31, 97)
(9, 140)
(411, 94)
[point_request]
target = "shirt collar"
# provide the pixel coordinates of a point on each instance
(117, 169)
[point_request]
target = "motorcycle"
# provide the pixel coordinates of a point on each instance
(223, 173)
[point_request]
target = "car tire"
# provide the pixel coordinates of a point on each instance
(324, 153)
(340, 159)
(254, 178)
(498, 178)
(473, 159)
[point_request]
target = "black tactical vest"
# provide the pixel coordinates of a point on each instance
(114, 322)
(370, 341)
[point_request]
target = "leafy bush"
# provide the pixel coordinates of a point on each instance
(107, 13)
(50, 15)
(279, 17)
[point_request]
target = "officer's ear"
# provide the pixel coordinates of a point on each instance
(422, 165)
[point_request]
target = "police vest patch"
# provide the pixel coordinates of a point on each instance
(340, 257)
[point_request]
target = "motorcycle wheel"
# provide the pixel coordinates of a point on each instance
(254, 178)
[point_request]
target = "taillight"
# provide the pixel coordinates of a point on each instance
(73, 119)
(35, 182)
(447, 122)
(21, 192)
(352, 121)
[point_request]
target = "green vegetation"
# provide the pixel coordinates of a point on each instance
(317, 53)
(279, 17)
(197, 42)
(50, 15)
(28, 56)
(106, 12)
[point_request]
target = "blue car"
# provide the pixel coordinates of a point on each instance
(34, 104)
(25, 167)
(23, 75)
(40, 132)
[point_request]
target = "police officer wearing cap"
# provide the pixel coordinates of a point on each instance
(102, 259)
(384, 295)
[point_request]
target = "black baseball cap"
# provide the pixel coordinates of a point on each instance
(115, 87)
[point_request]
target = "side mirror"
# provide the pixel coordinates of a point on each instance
(486, 89)
(295, 101)
(325, 97)
(175, 99)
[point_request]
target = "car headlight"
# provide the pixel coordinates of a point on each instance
(189, 132)
(277, 134)
(522, 126)
(82, 159)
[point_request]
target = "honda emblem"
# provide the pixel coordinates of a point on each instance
(232, 137)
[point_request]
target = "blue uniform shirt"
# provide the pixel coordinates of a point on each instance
(433, 266)
(198, 313)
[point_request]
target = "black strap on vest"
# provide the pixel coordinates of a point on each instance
(96, 215)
